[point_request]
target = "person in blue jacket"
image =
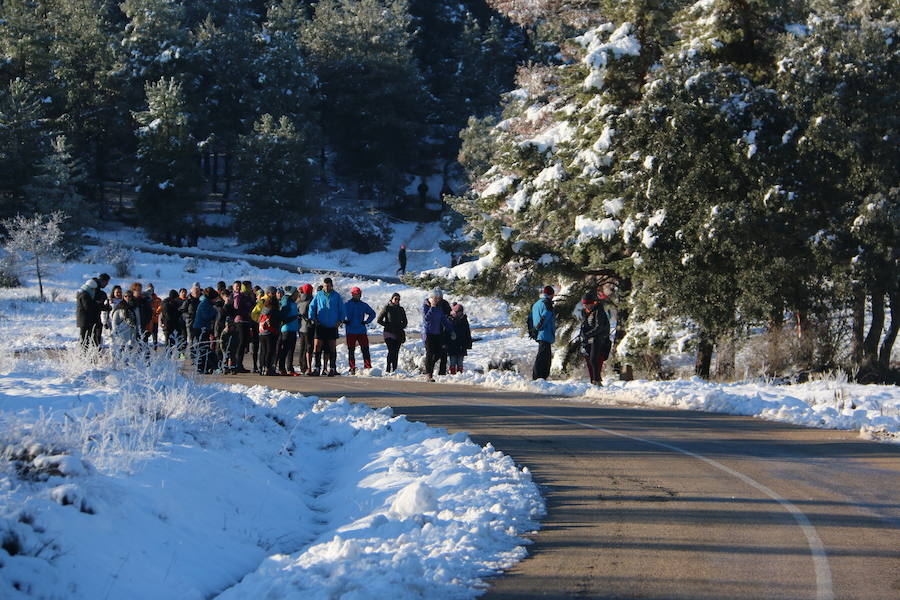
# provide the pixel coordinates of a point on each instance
(435, 327)
(290, 325)
(204, 319)
(544, 323)
(327, 311)
(359, 314)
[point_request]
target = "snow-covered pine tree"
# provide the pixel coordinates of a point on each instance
(841, 76)
(275, 205)
(547, 211)
(168, 171)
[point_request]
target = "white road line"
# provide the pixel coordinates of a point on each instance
(824, 586)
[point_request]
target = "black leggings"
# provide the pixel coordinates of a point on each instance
(267, 353)
(434, 352)
(243, 331)
(286, 343)
(393, 353)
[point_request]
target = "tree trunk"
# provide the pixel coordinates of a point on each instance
(37, 269)
(859, 323)
(870, 344)
(887, 346)
(214, 173)
(725, 356)
(704, 356)
(227, 191)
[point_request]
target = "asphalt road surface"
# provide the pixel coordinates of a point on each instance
(670, 504)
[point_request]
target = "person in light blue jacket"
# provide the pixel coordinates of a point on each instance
(543, 322)
(327, 311)
(359, 315)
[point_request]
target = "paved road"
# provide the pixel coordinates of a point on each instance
(671, 504)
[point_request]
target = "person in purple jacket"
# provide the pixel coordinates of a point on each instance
(242, 303)
(359, 314)
(435, 326)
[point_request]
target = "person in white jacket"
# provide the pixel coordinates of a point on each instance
(123, 323)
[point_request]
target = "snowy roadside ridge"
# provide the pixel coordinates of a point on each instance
(207, 489)
(872, 410)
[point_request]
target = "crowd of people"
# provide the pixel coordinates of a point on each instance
(286, 330)
(294, 330)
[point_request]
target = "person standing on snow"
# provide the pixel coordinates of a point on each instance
(438, 296)
(359, 314)
(393, 319)
(327, 312)
(542, 327)
(594, 336)
(89, 307)
(202, 326)
(169, 318)
(123, 323)
(459, 345)
(401, 258)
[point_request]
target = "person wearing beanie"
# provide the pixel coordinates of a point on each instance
(393, 318)
(459, 345)
(306, 333)
(358, 315)
(91, 302)
(260, 301)
(542, 328)
(595, 344)
(435, 328)
(269, 331)
(437, 296)
(327, 312)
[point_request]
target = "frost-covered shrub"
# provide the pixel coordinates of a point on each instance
(361, 232)
(116, 254)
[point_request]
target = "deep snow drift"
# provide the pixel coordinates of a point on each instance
(127, 479)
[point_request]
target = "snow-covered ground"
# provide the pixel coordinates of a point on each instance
(131, 480)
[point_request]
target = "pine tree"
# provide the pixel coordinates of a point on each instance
(168, 172)
(54, 188)
(275, 205)
(23, 143)
(372, 107)
(840, 75)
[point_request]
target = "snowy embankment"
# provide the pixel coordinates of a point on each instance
(134, 481)
(829, 403)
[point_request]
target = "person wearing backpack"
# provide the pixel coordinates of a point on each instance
(542, 328)
(269, 329)
(595, 343)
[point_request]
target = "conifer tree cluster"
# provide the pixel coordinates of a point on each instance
(731, 166)
(163, 95)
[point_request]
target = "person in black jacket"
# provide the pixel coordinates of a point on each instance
(170, 320)
(89, 307)
(188, 311)
(458, 345)
(393, 318)
(595, 342)
(401, 258)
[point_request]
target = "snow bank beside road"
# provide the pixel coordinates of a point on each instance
(136, 482)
